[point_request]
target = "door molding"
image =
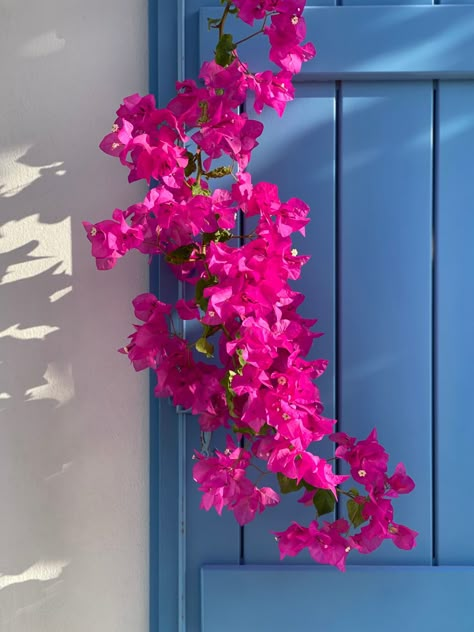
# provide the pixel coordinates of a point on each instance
(404, 42)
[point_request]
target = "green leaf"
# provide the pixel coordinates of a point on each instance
(210, 330)
(180, 255)
(197, 189)
(240, 355)
(324, 501)
(201, 285)
(243, 430)
(288, 485)
(191, 166)
(222, 234)
(204, 118)
(212, 23)
(204, 346)
(354, 511)
(229, 393)
(224, 49)
(219, 172)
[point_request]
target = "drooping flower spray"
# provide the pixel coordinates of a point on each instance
(263, 389)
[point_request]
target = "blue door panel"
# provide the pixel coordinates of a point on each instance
(208, 538)
(303, 142)
(384, 307)
(454, 250)
(315, 599)
(379, 142)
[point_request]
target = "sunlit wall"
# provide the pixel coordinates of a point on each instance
(73, 414)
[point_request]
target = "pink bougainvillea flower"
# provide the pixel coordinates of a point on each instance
(254, 501)
(118, 139)
(286, 33)
(293, 7)
(251, 10)
(242, 189)
(399, 482)
(145, 304)
(232, 134)
(139, 111)
(293, 58)
(286, 30)
(327, 545)
(158, 158)
(272, 90)
(369, 538)
(111, 239)
(232, 80)
(403, 537)
(187, 310)
(222, 479)
(367, 459)
(293, 540)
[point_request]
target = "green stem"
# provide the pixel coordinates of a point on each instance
(344, 493)
(249, 236)
(200, 170)
(224, 18)
(245, 39)
(262, 472)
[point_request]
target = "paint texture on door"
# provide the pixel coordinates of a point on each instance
(379, 141)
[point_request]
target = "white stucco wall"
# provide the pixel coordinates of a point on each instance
(73, 414)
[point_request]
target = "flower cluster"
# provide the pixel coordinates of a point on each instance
(263, 390)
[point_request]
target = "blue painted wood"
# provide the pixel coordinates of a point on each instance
(210, 539)
(283, 599)
(375, 42)
(182, 537)
(164, 435)
(298, 153)
(384, 254)
(454, 250)
(380, 287)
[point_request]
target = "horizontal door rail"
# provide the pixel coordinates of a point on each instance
(372, 42)
(370, 598)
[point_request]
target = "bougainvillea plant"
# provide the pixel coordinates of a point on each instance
(262, 389)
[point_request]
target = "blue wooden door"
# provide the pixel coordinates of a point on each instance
(380, 142)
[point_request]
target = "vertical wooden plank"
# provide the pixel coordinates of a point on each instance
(206, 535)
(164, 443)
(454, 250)
(385, 294)
(210, 539)
(182, 537)
(298, 154)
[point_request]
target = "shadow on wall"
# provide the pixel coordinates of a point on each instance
(70, 439)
